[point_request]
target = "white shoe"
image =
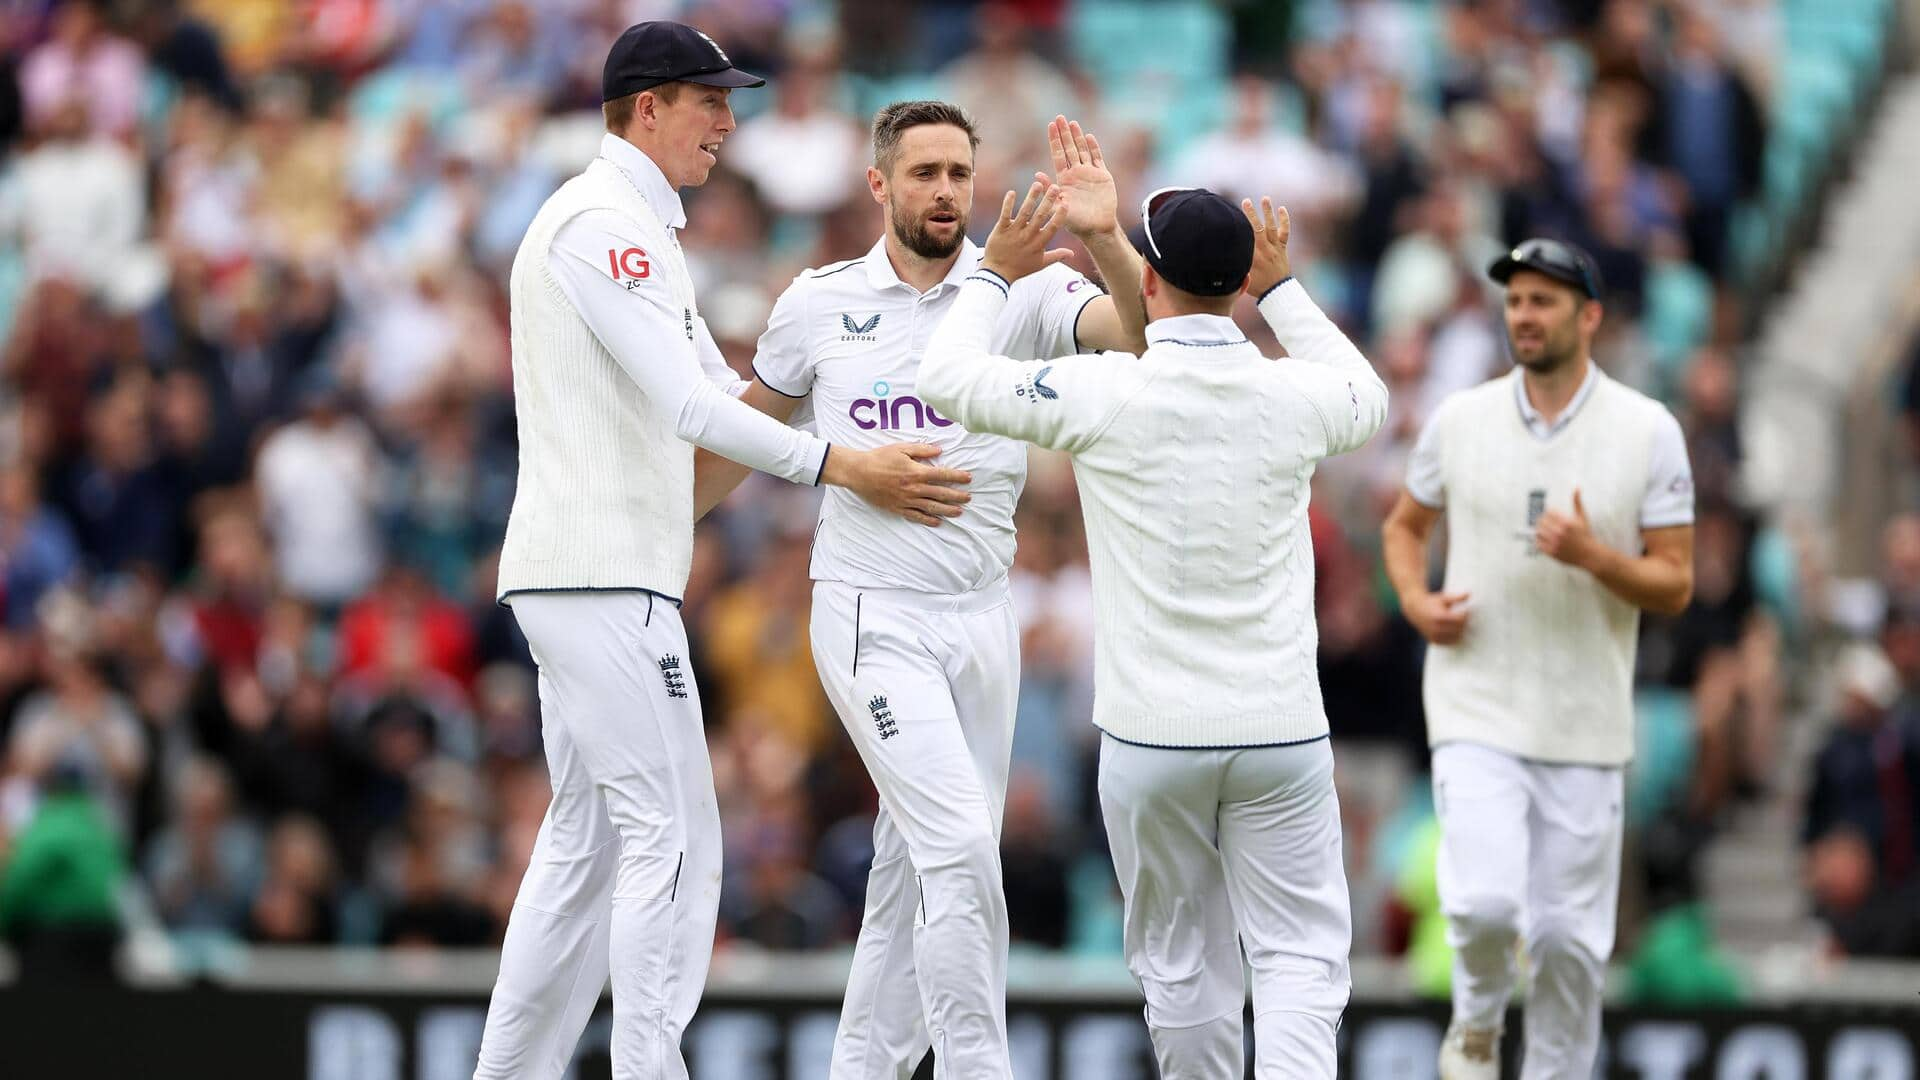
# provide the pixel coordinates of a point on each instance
(1470, 1053)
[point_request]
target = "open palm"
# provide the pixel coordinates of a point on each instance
(1079, 170)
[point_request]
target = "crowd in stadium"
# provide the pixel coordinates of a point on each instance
(257, 449)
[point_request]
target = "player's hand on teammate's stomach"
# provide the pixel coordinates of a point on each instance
(1440, 617)
(898, 479)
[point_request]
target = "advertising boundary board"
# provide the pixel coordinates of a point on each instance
(206, 1031)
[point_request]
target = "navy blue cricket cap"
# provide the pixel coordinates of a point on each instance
(1195, 240)
(1557, 259)
(651, 53)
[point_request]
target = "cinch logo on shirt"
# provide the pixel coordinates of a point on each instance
(890, 414)
(632, 264)
(859, 331)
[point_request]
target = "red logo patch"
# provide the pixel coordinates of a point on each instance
(632, 263)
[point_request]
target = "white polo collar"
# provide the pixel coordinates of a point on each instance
(647, 179)
(881, 275)
(1204, 330)
(1537, 422)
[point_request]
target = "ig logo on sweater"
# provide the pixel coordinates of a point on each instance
(630, 267)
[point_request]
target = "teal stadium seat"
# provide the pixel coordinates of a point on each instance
(13, 286)
(1164, 63)
(1831, 59)
(871, 94)
(1775, 567)
(386, 96)
(1664, 752)
(1679, 314)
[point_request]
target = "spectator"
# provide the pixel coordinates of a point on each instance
(60, 886)
(447, 498)
(1034, 862)
(298, 764)
(1900, 559)
(78, 202)
(1709, 129)
(1391, 181)
(36, 547)
(53, 359)
(126, 512)
(726, 233)
(204, 866)
(429, 912)
(1425, 268)
(1251, 156)
(406, 606)
(517, 47)
(195, 452)
(1862, 918)
(79, 727)
(212, 178)
(1900, 637)
(316, 481)
(1866, 779)
(1710, 422)
(1010, 92)
(84, 60)
(186, 49)
(804, 126)
(296, 903)
(787, 907)
(755, 641)
(301, 194)
(1725, 651)
(1053, 596)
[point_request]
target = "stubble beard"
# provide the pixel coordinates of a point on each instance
(915, 237)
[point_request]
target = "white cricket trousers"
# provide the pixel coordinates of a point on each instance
(1220, 850)
(926, 685)
(1529, 852)
(625, 874)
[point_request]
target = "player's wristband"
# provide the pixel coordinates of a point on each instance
(1271, 289)
(993, 279)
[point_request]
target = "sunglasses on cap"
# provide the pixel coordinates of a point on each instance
(1152, 203)
(1558, 260)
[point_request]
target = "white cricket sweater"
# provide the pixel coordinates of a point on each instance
(1545, 670)
(604, 498)
(1194, 464)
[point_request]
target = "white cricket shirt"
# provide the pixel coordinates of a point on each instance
(850, 337)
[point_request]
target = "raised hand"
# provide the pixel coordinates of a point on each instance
(1271, 229)
(1018, 245)
(1093, 201)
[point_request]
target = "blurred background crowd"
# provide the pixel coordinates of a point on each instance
(257, 446)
